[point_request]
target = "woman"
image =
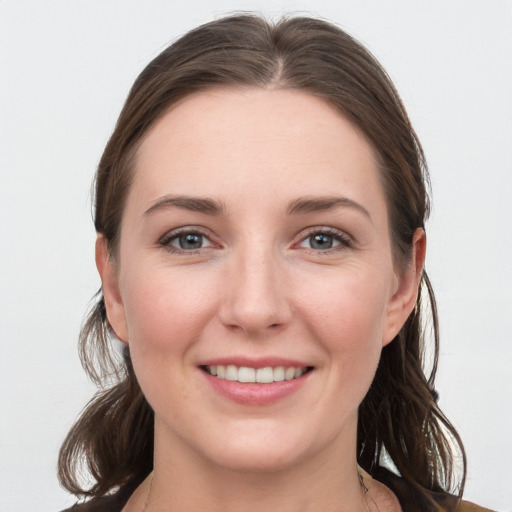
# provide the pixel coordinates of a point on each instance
(260, 213)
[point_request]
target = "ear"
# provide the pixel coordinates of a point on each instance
(405, 292)
(108, 271)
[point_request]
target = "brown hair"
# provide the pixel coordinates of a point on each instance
(399, 418)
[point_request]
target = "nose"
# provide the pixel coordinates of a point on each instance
(255, 297)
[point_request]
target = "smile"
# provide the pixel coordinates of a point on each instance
(247, 374)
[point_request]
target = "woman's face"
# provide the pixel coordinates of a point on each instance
(255, 245)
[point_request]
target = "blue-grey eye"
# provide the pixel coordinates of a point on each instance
(324, 241)
(189, 241)
(321, 241)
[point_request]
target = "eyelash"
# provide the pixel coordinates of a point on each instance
(345, 241)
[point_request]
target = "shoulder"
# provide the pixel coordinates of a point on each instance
(103, 504)
(411, 500)
(114, 502)
(111, 503)
(466, 506)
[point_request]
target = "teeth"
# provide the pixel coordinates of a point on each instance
(278, 374)
(261, 375)
(289, 373)
(246, 374)
(231, 372)
(264, 375)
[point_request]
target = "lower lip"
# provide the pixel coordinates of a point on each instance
(254, 393)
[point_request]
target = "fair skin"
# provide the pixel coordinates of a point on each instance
(255, 234)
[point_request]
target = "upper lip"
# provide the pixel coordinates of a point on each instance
(251, 362)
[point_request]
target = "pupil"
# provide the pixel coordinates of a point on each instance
(190, 241)
(321, 241)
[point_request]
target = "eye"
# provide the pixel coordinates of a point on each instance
(186, 241)
(320, 241)
(325, 241)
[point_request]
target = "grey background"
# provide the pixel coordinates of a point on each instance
(65, 69)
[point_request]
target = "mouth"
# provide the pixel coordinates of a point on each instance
(249, 375)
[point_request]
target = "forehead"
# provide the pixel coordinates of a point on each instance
(226, 142)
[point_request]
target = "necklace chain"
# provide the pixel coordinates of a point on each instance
(149, 494)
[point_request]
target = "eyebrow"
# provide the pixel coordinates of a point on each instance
(304, 205)
(194, 204)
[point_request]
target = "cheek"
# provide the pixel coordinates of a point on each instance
(164, 308)
(347, 318)
(166, 313)
(350, 306)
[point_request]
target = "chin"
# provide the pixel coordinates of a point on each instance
(257, 460)
(264, 448)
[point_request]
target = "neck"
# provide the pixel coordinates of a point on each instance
(327, 482)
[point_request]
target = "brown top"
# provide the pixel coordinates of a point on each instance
(410, 500)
